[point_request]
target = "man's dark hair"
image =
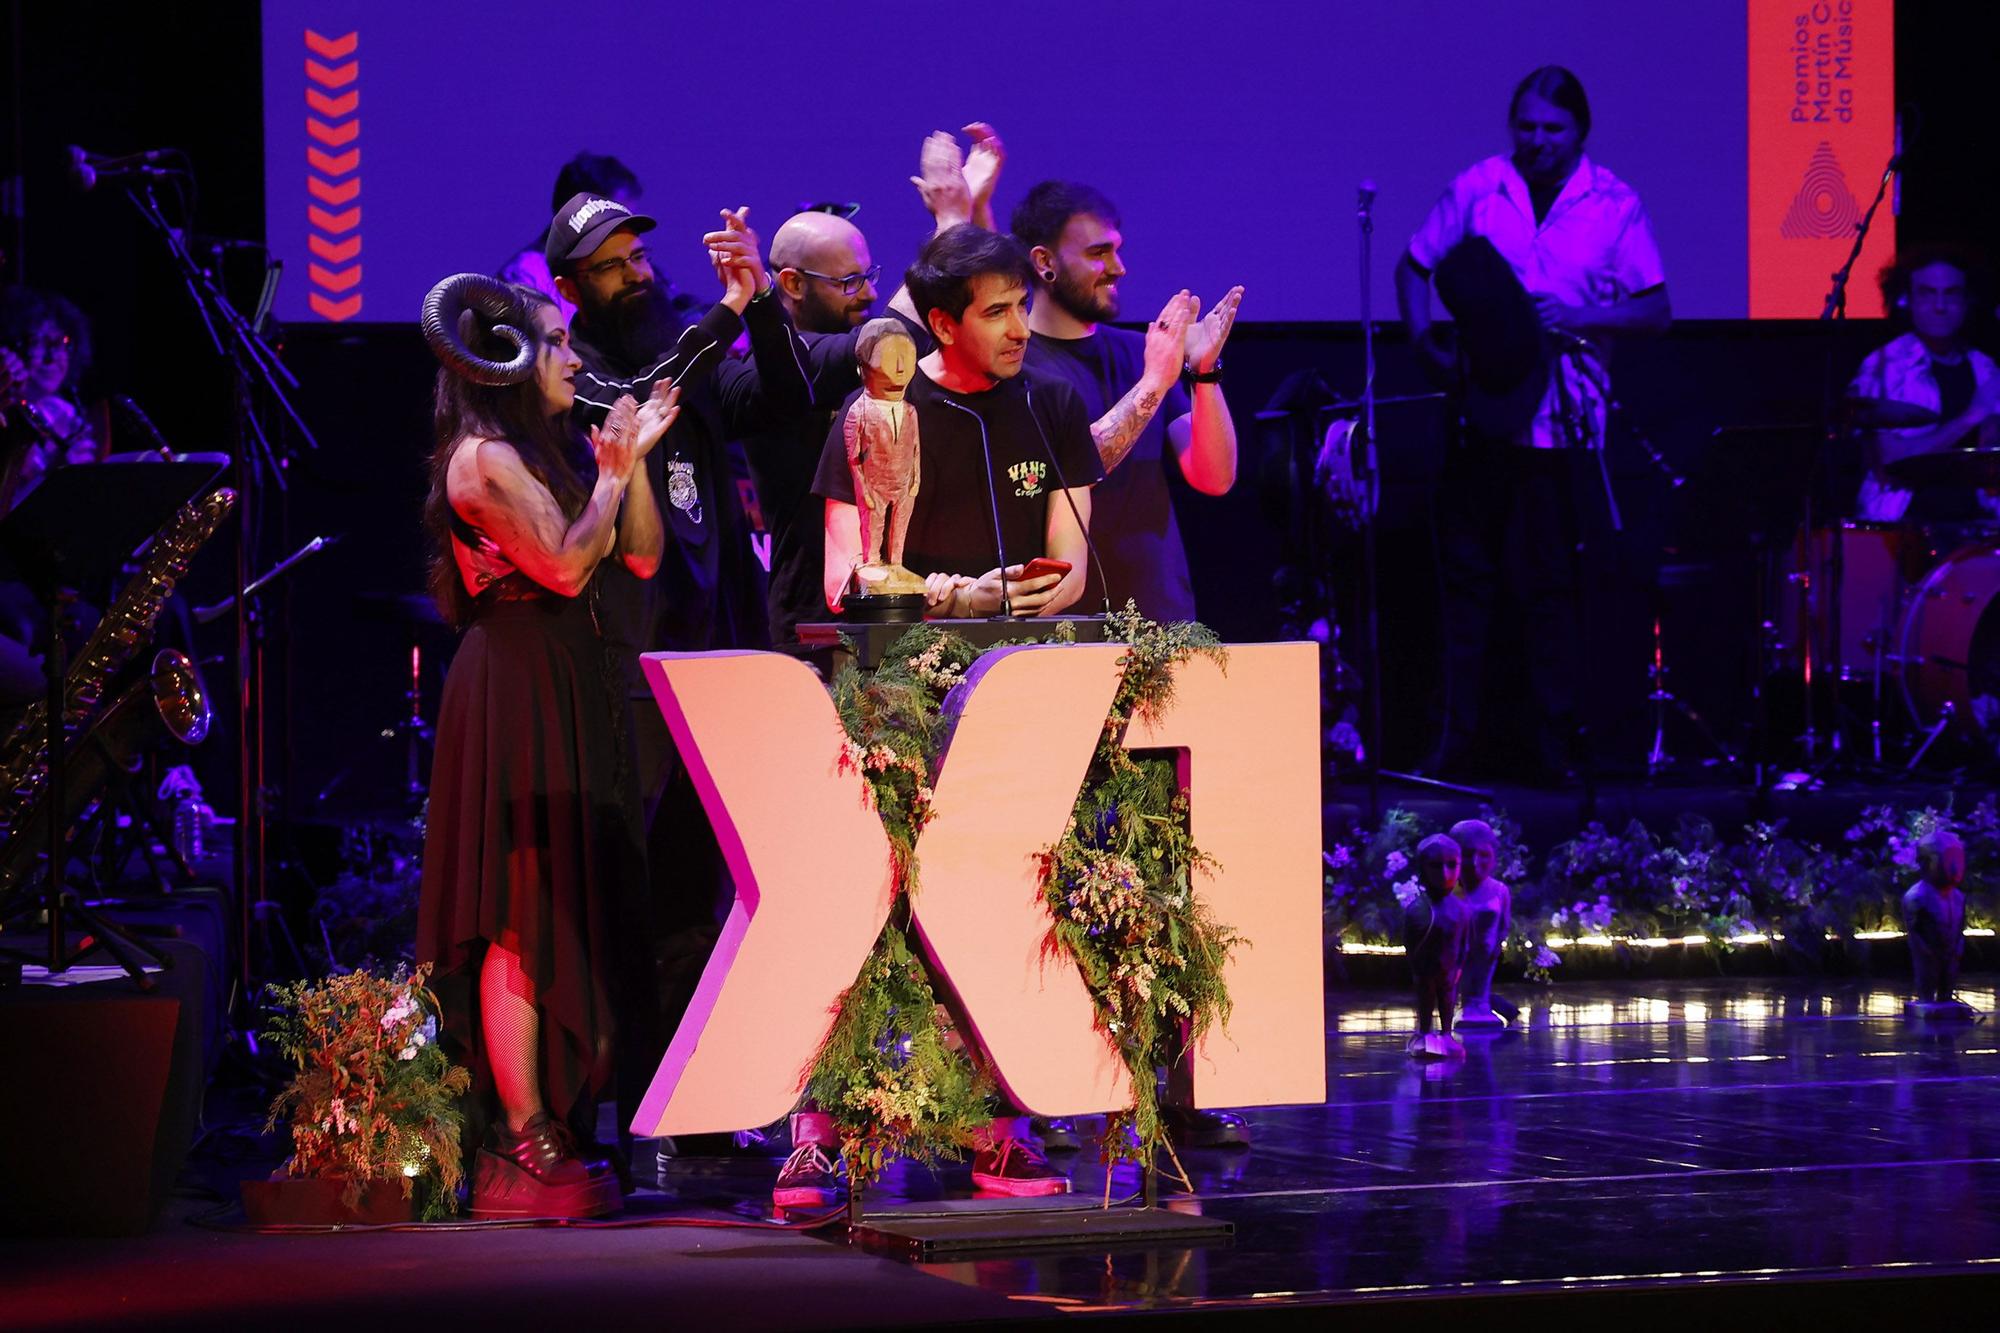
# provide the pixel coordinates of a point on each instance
(1040, 218)
(1895, 278)
(941, 279)
(1558, 87)
(593, 173)
(23, 312)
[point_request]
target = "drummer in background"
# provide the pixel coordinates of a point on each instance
(1940, 292)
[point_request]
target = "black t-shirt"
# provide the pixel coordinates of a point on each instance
(951, 524)
(1955, 382)
(1131, 511)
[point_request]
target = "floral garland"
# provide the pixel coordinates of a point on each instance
(891, 1073)
(1120, 888)
(374, 1097)
(1119, 885)
(1690, 883)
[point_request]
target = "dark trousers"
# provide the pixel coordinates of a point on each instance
(1507, 542)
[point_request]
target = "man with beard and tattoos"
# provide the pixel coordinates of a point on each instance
(826, 278)
(1130, 383)
(708, 592)
(1140, 416)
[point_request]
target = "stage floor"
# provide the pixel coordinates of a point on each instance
(1721, 1137)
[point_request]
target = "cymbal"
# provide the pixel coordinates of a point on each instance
(1978, 468)
(1886, 414)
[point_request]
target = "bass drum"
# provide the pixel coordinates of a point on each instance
(1950, 643)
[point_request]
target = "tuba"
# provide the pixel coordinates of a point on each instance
(96, 738)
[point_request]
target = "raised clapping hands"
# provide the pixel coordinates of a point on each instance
(940, 179)
(957, 186)
(738, 262)
(614, 441)
(1207, 334)
(982, 169)
(655, 416)
(1166, 340)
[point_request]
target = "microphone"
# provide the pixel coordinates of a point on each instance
(1365, 197)
(993, 498)
(1909, 124)
(132, 412)
(88, 170)
(1103, 583)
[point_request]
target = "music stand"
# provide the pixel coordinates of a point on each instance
(74, 530)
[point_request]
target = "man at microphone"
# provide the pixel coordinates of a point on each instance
(1007, 461)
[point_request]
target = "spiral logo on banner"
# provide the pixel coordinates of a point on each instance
(1824, 206)
(333, 174)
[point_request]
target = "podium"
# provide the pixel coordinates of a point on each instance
(811, 863)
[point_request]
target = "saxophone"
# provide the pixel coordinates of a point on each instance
(89, 743)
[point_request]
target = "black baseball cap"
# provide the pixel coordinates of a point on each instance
(583, 224)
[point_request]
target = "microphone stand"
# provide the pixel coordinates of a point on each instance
(1834, 310)
(253, 365)
(1371, 650)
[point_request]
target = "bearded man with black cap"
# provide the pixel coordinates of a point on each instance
(708, 592)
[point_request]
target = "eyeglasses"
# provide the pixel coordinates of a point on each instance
(850, 284)
(45, 344)
(611, 266)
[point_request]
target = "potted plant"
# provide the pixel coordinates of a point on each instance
(373, 1104)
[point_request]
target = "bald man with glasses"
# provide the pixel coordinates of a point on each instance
(826, 278)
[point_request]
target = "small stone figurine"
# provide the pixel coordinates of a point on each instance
(1489, 906)
(1434, 931)
(881, 434)
(1934, 920)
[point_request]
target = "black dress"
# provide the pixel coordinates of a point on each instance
(532, 836)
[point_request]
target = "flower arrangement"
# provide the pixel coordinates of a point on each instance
(1121, 889)
(891, 1073)
(1690, 884)
(374, 1098)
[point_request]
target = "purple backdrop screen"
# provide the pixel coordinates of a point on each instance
(405, 142)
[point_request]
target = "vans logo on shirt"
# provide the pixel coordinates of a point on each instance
(1027, 478)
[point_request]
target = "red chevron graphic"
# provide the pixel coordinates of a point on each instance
(334, 280)
(331, 165)
(334, 310)
(334, 136)
(333, 108)
(333, 48)
(345, 220)
(333, 176)
(333, 252)
(334, 194)
(332, 76)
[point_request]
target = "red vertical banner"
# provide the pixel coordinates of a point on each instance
(333, 174)
(1822, 126)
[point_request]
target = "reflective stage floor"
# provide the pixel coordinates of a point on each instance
(1737, 1141)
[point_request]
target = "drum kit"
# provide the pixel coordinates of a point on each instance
(1906, 613)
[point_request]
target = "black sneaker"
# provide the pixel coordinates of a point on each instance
(809, 1179)
(1018, 1168)
(1057, 1134)
(1191, 1128)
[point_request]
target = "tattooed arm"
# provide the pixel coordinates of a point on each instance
(1118, 430)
